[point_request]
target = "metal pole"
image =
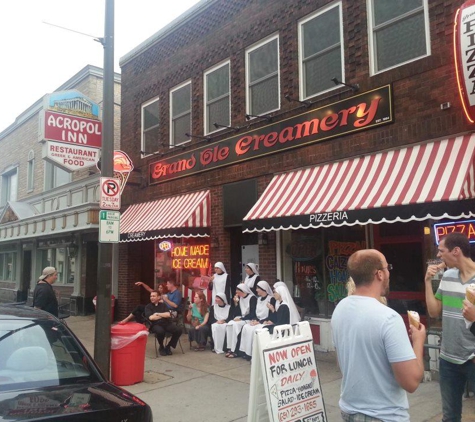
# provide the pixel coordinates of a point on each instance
(104, 273)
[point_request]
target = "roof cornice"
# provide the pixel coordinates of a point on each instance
(166, 30)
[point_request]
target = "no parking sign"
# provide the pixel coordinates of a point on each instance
(110, 193)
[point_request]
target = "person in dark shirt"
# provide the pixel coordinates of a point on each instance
(173, 298)
(137, 313)
(44, 297)
(159, 315)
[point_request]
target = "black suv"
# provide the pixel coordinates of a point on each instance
(46, 374)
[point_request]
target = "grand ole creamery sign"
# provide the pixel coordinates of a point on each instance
(361, 112)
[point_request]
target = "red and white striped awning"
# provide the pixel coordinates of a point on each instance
(419, 182)
(178, 216)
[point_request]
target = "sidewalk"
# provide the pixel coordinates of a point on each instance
(204, 386)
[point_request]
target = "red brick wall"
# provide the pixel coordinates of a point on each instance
(224, 31)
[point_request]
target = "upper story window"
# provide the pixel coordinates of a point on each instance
(55, 176)
(217, 97)
(399, 32)
(31, 171)
(150, 127)
(262, 77)
(321, 51)
(180, 114)
(9, 186)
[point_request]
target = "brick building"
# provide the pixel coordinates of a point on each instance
(49, 216)
(240, 104)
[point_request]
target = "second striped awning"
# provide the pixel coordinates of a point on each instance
(178, 216)
(433, 180)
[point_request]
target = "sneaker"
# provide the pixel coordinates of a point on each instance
(162, 351)
(168, 351)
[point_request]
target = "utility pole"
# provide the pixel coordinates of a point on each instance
(102, 340)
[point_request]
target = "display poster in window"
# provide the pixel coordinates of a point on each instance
(309, 290)
(308, 285)
(336, 260)
(185, 260)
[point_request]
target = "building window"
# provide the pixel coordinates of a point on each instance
(9, 186)
(31, 171)
(7, 266)
(55, 176)
(217, 98)
(180, 114)
(399, 32)
(59, 259)
(150, 127)
(321, 51)
(262, 76)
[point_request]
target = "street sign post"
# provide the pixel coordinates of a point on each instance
(109, 231)
(110, 193)
(102, 343)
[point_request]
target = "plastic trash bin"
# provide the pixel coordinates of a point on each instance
(128, 343)
(94, 301)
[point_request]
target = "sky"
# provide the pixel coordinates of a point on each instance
(37, 58)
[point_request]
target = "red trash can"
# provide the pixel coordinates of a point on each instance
(128, 343)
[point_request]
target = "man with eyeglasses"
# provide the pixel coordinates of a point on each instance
(374, 352)
(457, 351)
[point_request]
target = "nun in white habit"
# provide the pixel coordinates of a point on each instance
(221, 282)
(219, 314)
(252, 277)
(265, 296)
(285, 310)
(243, 310)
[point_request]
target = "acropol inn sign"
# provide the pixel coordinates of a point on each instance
(370, 109)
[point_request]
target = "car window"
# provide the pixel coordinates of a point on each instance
(41, 353)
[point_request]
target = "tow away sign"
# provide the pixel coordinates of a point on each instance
(110, 193)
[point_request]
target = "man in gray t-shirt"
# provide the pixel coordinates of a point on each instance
(373, 348)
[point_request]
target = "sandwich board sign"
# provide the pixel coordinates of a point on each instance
(285, 383)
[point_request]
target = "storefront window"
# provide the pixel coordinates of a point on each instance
(402, 245)
(185, 260)
(58, 258)
(7, 266)
(319, 260)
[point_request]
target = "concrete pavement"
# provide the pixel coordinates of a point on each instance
(203, 386)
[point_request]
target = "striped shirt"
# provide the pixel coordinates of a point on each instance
(458, 343)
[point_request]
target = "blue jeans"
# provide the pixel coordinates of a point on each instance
(453, 378)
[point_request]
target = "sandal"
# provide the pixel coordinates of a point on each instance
(199, 349)
(232, 355)
(228, 354)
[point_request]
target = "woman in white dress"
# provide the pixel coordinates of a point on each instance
(218, 318)
(243, 310)
(265, 296)
(221, 282)
(252, 277)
